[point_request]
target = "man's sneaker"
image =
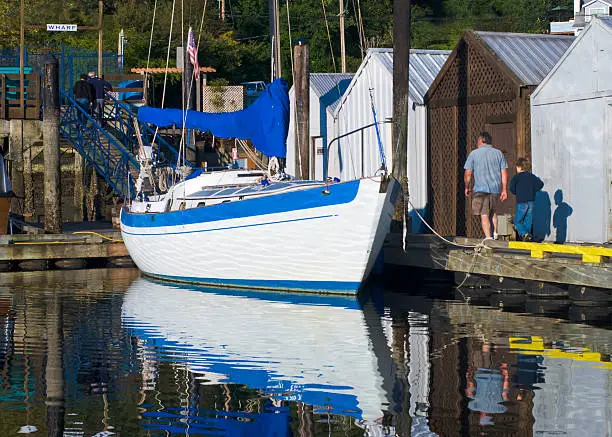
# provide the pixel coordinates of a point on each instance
(495, 236)
(527, 237)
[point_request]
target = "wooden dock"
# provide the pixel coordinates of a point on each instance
(583, 266)
(35, 252)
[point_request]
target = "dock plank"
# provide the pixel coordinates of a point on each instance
(499, 258)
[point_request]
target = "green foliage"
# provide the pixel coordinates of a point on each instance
(238, 48)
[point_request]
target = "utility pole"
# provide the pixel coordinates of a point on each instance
(301, 56)
(21, 60)
(51, 112)
(401, 60)
(100, 8)
(342, 43)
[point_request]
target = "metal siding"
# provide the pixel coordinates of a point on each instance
(333, 84)
(424, 67)
(355, 111)
(570, 150)
(529, 56)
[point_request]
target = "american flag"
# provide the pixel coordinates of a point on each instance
(192, 49)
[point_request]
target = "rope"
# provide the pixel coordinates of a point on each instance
(150, 42)
(361, 30)
(331, 49)
(98, 235)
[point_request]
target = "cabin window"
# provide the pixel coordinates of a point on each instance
(182, 206)
(250, 175)
(201, 204)
(226, 201)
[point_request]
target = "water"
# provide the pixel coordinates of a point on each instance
(105, 352)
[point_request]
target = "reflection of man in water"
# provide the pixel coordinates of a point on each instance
(487, 388)
(560, 217)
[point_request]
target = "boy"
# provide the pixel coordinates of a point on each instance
(524, 185)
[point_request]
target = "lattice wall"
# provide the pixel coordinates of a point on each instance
(471, 94)
(222, 99)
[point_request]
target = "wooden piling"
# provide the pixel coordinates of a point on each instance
(79, 193)
(401, 59)
(301, 56)
(51, 112)
(16, 161)
(28, 183)
(54, 370)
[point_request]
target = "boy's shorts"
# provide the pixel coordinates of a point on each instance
(484, 203)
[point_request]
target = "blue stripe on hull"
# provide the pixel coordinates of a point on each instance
(330, 287)
(148, 234)
(278, 203)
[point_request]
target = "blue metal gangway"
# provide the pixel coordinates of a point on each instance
(112, 148)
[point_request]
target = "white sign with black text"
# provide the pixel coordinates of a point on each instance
(61, 27)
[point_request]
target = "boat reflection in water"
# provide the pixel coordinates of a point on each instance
(308, 349)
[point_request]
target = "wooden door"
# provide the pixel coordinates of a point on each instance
(504, 139)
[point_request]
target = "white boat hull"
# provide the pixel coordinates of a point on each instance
(303, 240)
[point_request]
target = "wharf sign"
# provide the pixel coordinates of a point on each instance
(61, 27)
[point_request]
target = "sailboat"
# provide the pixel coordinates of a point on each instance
(248, 228)
(258, 229)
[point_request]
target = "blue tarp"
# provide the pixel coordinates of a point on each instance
(265, 122)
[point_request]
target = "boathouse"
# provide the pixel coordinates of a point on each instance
(325, 92)
(485, 85)
(571, 115)
(371, 89)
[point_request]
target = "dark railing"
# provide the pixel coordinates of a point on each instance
(110, 159)
(18, 104)
(338, 138)
(120, 118)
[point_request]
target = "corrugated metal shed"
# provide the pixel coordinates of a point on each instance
(424, 66)
(357, 155)
(330, 84)
(529, 56)
(571, 119)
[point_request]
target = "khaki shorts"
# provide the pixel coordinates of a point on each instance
(484, 203)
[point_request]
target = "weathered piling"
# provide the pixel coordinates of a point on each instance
(301, 56)
(401, 70)
(51, 112)
(78, 193)
(54, 370)
(189, 92)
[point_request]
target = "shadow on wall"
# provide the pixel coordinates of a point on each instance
(543, 213)
(562, 213)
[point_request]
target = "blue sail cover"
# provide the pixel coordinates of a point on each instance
(265, 122)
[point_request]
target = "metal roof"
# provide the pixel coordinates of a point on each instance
(330, 86)
(424, 67)
(529, 56)
(606, 20)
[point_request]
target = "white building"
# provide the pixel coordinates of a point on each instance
(584, 11)
(571, 128)
(357, 155)
(325, 92)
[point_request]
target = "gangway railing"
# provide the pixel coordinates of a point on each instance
(120, 118)
(112, 160)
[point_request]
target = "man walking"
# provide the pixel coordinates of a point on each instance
(83, 94)
(490, 171)
(100, 86)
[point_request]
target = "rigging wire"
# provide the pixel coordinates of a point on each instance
(331, 48)
(361, 30)
(361, 47)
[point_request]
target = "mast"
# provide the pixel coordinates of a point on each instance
(342, 43)
(275, 72)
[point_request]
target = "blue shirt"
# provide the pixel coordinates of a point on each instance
(486, 163)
